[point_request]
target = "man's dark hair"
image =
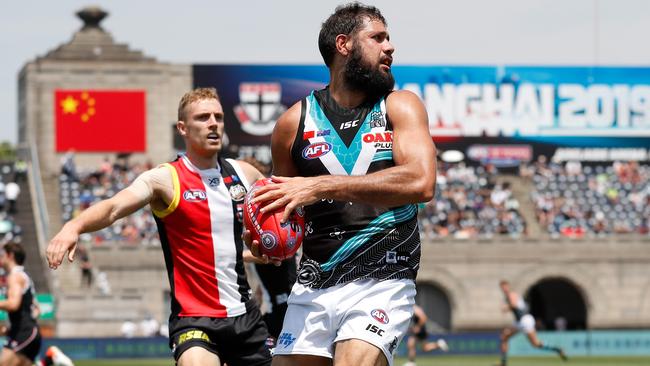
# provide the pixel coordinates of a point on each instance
(347, 19)
(17, 251)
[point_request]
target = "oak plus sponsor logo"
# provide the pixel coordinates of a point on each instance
(380, 140)
(194, 195)
(316, 150)
(380, 316)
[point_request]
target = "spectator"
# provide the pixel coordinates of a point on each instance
(12, 190)
(20, 170)
(164, 330)
(128, 329)
(149, 326)
(68, 167)
(100, 183)
(86, 267)
(585, 201)
(468, 204)
(102, 283)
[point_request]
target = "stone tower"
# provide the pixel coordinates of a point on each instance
(93, 60)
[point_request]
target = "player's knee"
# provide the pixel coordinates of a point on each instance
(197, 356)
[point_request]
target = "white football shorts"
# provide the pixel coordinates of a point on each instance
(378, 312)
(526, 324)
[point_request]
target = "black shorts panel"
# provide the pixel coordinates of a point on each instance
(26, 342)
(275, 319)
(421, 335)
(238, 341)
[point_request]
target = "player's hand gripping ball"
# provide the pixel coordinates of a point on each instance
(277, 241)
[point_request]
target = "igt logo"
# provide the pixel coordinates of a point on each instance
(194, 195)
(380, 316)
(316, 150)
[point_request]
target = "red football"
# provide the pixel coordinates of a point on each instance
(278, 241)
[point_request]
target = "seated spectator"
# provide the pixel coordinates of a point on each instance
(593, 200)
(468, 204)
(12, 191)
(20, 170)
(100, 183)
(149, 326)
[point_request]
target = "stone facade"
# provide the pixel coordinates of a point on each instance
(611, 275)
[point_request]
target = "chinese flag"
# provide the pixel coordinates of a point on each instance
(100, 121)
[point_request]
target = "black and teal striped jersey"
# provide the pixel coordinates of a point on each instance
(347, 241)
(22, 319)
(520, 309)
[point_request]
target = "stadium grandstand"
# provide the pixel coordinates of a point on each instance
(564, 217)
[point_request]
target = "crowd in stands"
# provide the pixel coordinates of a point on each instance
(10, 176)
(80, 189)
(573, 200)
(569, 200)
(469, 203)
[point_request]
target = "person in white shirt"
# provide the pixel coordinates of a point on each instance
(12, 190)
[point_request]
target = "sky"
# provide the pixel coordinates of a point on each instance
(426, 32)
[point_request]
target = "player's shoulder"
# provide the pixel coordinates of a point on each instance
(250, 171)
(291, 116)
(404, 103)
(287, 125)
(403, 96)
(160, 175)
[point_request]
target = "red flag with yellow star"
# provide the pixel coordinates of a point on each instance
(100, 120)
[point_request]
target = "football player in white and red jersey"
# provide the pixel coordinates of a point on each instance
(196, 201)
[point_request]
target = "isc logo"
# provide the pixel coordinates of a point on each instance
(349, 124)
(379, 316)
(316, 150)
(375, 329)
(194, 195)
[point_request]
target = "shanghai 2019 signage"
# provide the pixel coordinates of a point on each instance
(498, 114)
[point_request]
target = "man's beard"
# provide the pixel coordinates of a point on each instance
(361, 77)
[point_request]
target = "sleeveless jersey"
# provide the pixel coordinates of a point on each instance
(22, 319)
(200, 232)
(347, 241)
(520, 309)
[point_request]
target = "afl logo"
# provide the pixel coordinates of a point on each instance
(380, 316)
(316, 150)
(269, 241)
(194, 195)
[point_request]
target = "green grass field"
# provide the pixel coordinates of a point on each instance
(435, 361)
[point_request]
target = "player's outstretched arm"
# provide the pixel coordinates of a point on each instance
(152, 184)
(411, 180)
